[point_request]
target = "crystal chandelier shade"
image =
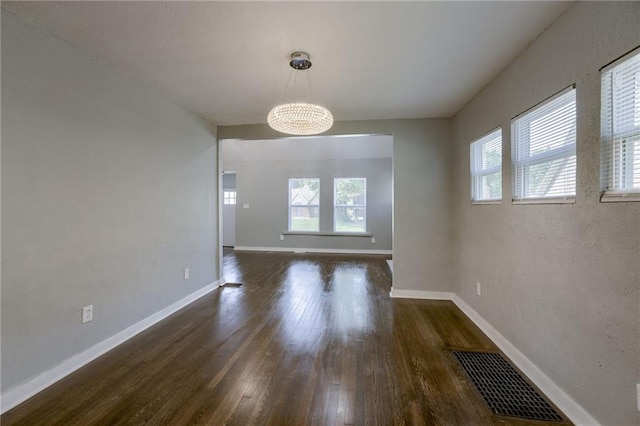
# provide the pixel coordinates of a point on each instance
(300, 118)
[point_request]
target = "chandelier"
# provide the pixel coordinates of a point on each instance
(300, 118)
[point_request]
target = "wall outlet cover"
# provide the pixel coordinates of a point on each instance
(479, 289)
(186, 273)
(87, 314)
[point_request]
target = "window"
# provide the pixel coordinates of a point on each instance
(304, 204)
(229, 197)
(620, 129)
(350, 205)
(544, 150)
(486, 167)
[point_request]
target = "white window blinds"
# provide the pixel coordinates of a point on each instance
(620, 129)
(544, 150)
(486, 167)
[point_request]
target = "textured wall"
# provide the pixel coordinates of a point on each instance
(560, 282)
(108, 191)
(422, 247)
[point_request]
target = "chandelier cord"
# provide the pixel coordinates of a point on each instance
(309, 84)
(295, 79)
(287, 85)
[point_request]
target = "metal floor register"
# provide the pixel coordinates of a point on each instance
(504, 390)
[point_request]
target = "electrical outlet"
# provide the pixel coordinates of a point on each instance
(638, 395)
(479, 289)
(281, 237)
(373, 240)
(87, 313)
(245, 206)
(186, 273)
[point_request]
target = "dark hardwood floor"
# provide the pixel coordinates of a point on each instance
(306, 340)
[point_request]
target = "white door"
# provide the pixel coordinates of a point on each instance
(229, 217)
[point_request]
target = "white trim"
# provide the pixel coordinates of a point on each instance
(559, 397)
(549, 200)
(546, 100)
(312, 250)
(26, 390)
(485, 202)
(418, 294)
(571, 408)
(618, 61)
(329, 234)
(619, 197)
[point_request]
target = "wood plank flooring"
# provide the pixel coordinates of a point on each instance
(306, 340)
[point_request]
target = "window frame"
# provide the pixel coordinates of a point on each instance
(475, 170)
(302, 205)
(228, 199)
(564, 151)
(615, 148)
(362, 206)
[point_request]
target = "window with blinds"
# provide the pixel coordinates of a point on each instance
(544, 150)
(486, 168)
(620, 129)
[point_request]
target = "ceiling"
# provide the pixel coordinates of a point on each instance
(228, 61)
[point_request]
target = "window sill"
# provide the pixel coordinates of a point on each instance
(620, 197)
(563, 200)
(486, 202)
(329, 234)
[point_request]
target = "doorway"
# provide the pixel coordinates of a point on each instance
(229, 197)
(255, 194)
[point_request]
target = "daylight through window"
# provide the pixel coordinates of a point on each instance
(350, 205)
(229, 197)
(544, 150)
(486, 167)
(620, 128)
(304, 204)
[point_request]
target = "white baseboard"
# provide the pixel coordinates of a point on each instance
(312, 250)
(24, 391)
(564, 402)
(417, 294)
(571, 408)
(560, 398)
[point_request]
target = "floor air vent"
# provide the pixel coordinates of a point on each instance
(504, 390)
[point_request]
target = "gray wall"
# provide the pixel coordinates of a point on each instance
(560, 282)
(422, 194)
(108, 192)
(264, 186)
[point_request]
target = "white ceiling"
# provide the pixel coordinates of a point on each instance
(228, 61)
